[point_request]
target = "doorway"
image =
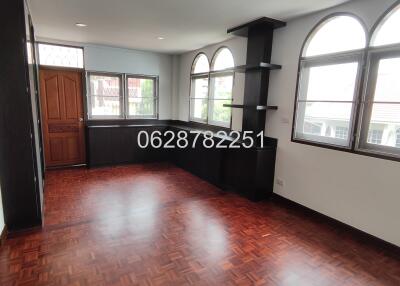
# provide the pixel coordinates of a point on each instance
(61, 96)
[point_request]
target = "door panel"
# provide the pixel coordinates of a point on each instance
(71, 106)
(63, 126)
(52, 98)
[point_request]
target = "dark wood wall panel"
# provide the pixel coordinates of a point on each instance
(118, 145)
(20, 176)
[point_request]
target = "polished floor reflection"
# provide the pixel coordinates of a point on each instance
(159, 225)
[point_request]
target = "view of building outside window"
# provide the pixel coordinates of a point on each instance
(375, 136)
(141, 96)
(222, 94)
(398, 138)
(341, 132)
(200, 98)
(105, 94)
(385, 116)
(326, 99)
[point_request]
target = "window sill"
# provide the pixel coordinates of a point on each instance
(210, 126)
(347, 150)
(121, 122)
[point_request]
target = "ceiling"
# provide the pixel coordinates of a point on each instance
(185, 24)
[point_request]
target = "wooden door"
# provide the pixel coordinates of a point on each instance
(62, 112)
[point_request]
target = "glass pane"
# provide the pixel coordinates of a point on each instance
(201, 64)
(223, 59)
(398, 138)
(337, 34)
(105, 106)
(220, 113)
(222, 87)
(324, 122)
(199, 88)
(388, 80)
(331, 82)
(198, 108)
(105, 85)
(388, 32)
(141, 87)
(53, 55)
(341, 132)
(384, 125)
(142, 107)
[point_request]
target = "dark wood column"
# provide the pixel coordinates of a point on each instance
(259, 48)
(20, 160)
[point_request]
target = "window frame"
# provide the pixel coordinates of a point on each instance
(362, 87)
(211, 86)
(89, 96)
(211, 98)
(193, 77)
(124, 112)
(209, 76)
(155, 97)
(379, 23)
(375, 54)
(66, 46)
(325, 60)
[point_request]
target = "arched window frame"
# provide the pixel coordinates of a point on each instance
(305, 63)
(380, 23)
(211, 76)
(360, 132)
(214, 76)
(194, 98)
(374, 56)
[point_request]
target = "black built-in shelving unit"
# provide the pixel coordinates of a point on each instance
(259, 35)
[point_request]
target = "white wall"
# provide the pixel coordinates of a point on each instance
(360, 191)
(112, 59)
(238, 47)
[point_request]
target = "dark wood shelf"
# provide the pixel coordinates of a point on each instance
(256, 107)
(243, 30)
(246, 68)
(261, 66)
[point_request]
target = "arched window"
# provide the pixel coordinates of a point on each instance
(222, 59)
(387, 31)
(330, 68)
(206, 104)
(200, 64)
(382, 113)
(336, 34)
(221, 85)
(199, 88)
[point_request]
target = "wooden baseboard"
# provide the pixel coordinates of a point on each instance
(3, 235)
(355, 233)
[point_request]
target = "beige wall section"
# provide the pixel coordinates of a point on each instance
(357, 190)
(238, 47)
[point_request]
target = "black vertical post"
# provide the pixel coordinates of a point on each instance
(259, 35)
(19, 175)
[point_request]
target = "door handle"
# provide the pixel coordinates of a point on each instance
(80, 119)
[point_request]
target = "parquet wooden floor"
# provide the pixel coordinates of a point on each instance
(159, 225)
